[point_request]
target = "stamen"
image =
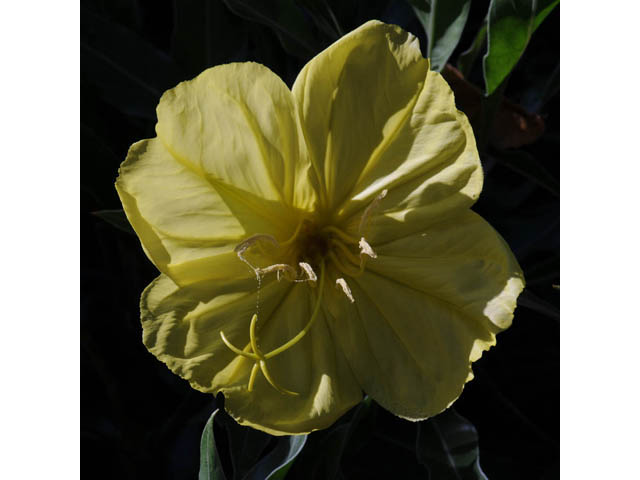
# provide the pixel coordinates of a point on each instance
(365, 249)
(343, 268)
(293, 275)
(344, 236)
(294, 236)
(278, 267)
(342, 283)
(347, 252)
(309, 271)
(364, 221)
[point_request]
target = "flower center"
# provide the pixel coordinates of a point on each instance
(311, 246)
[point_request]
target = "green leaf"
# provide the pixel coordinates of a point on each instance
(511, 25)
(286, 19)
(210, 465)
(116, 218)
(469, 56)
(443, 21)
(276, 464)
(448, 446)
(245, 446)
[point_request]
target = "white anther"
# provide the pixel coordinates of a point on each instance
(312, 277)
(281, 269)
(369, 210)
(278, 267)
(342, 283)
(365, 249)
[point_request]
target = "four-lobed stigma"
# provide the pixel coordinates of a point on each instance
(252, 351)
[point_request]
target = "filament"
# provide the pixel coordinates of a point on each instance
(293, 236)
(344, 269)
(350, 255)
(344, 236)
(364, 220)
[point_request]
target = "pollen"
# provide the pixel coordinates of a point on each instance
(342, 283)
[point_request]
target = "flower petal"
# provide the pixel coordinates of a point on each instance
(181, 325)
(436, 173)
(463, 261)
(397, 129)
(448, 291)
(314, 368)
(237, 125)
(353, 96)
(182, 328)
(186, 227)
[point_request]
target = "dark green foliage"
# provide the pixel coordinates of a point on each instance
(511, 25)
(447, 445)
(443, 22)
(245, 447)
(210, 463)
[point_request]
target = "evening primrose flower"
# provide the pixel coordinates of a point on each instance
(317, 243)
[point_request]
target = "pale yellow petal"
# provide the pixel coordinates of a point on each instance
(353, 97)
(431, 172)
(314, 368)
(182, 328)
(462, 261)
(377, 119)
(424, 310)
(237, 125)
(183, 222)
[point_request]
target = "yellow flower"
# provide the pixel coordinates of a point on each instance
(317, 243)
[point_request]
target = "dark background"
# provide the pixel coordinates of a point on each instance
(138, 420)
